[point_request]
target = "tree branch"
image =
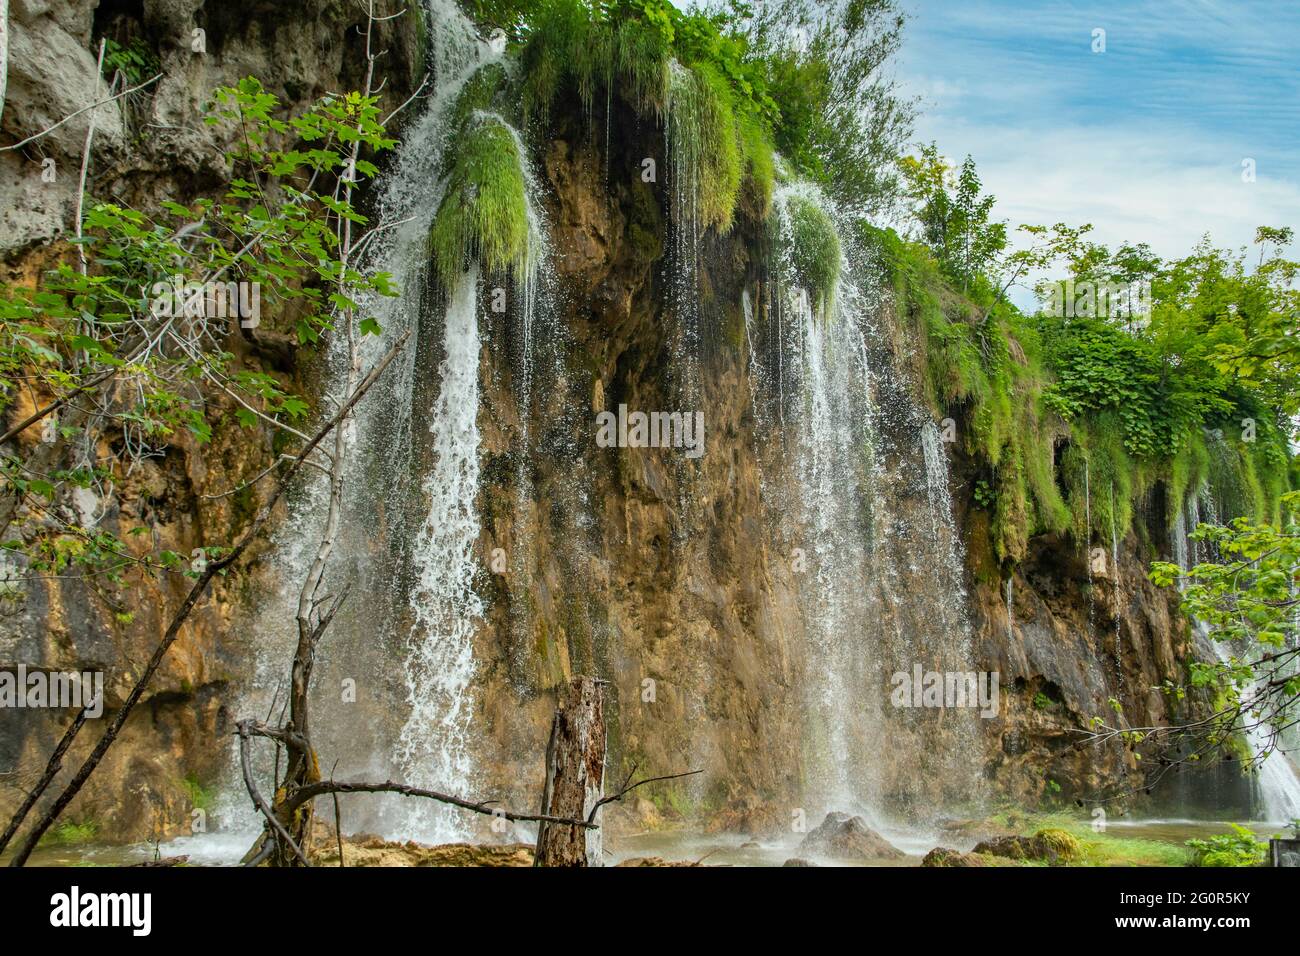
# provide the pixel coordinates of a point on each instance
(259, 800)
(313, 790)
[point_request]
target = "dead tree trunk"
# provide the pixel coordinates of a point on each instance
(575, 777)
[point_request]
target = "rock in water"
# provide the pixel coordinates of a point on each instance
(846, 837)
(942, 856)
(1050, 846)
(798, 861)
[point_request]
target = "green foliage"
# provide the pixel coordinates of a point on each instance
(740, 87)
(1236, 848)
(484, 213)
(200, 797)
(819, 70)
(127, 337)
(594, 47)
(815, 253)
(991, 374)
(1076, 414)
(135, 60)
(508, 15)
(71, 833)
(1103, 369)
(954, 217)
(1246, 597)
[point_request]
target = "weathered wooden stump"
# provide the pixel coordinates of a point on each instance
(575, 776)
(1284, 852)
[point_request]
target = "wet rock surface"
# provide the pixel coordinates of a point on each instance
(848, 838)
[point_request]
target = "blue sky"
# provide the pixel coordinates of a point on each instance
(1144, 140)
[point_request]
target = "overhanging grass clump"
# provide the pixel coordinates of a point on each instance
(702, 136)
(484, 213)
(570, 45)
(719, 139)
(477, 96)
(815, 249)
(993, 369)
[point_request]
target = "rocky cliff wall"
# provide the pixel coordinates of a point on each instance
(676, 582)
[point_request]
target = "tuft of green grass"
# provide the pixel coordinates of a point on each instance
(816, 255)
(484, 213)
(759, 161)
(70, 833)
(706, 157)
(200, 797)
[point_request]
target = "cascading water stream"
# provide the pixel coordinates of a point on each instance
(433, 747)
(1277, 781)
(410, 530)
(1116, 594)
(857, 615)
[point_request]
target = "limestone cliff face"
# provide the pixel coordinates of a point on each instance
(671, 582)
(665, 581)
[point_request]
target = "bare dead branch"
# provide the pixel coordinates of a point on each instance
(628, 787)
(313, 790)
(51, 129)
(259, 800)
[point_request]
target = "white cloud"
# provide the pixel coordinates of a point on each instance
(1133, 184)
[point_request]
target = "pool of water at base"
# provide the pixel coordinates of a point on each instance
(226, 849)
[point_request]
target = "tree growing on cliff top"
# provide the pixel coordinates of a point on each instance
(843, 120)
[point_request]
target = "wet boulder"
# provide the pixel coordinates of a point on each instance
(848, 838)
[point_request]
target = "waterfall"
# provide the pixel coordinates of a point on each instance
(1193, 522)
(1180, 542)
(685, 228)
(1011, 613)
(884, 588)
(433, 747)
(1116, 592)
(827, 413)
(409, 536)
(1277, 781)
(947, 541)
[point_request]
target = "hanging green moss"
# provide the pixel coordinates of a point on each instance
(815, 253)
(718, 146)
(1010, 527)
(706, 154)
(759, 162)
(478, 95)
(1103, 479)
(570, 45)
(485, 211)
(644, 65)
(1186, 470)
